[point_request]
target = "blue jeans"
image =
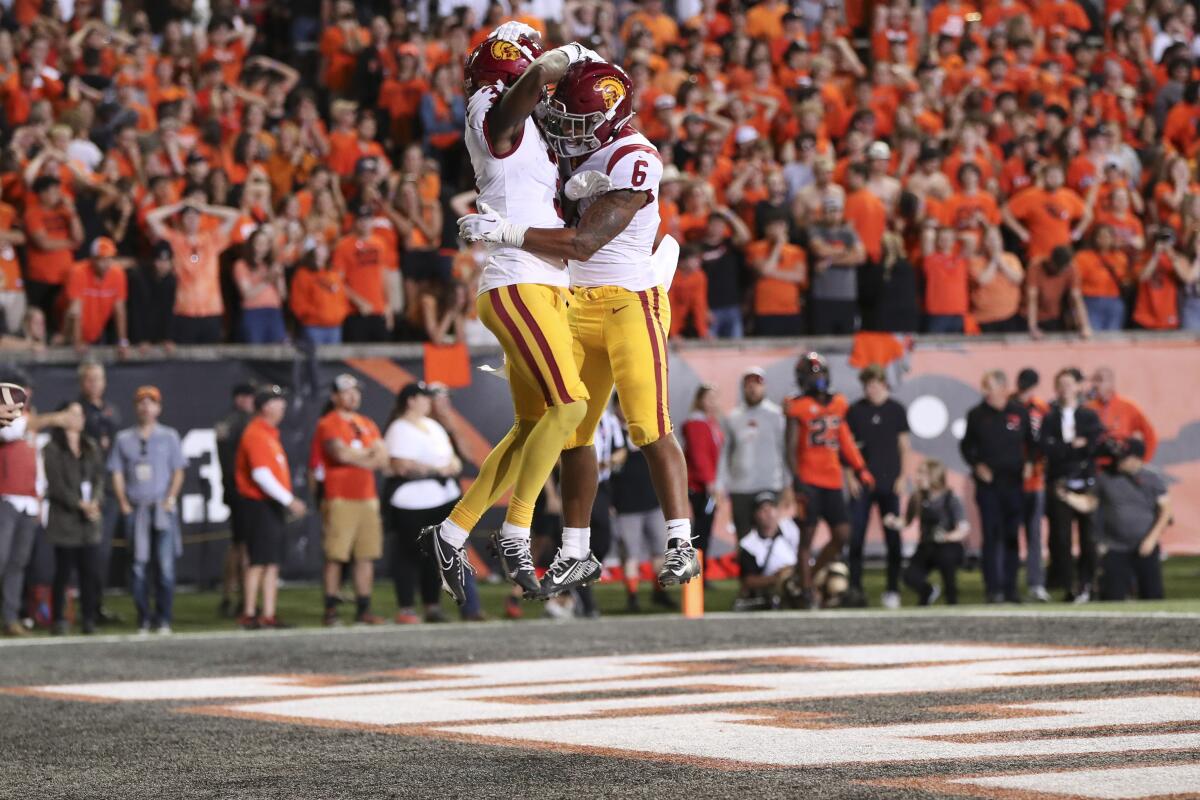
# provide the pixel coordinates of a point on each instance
(1105, 313)
(726, 323)
(943, 323)
(163, 555)
(263, 326)
(1189, 313)
(322, 335)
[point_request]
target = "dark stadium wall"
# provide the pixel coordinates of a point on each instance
(937, 383)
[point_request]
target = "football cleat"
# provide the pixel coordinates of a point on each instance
(451, 561)
(569, 573)
(517, 562)
(682, 563)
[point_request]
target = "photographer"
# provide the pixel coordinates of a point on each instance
(766, 555)
(1070, 435)
(1134, 511)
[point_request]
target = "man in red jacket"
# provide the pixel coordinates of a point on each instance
(702, 441)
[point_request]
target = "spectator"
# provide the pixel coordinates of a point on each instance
(997, 278)
(865, 212)
(611, 452)
(262, 289)
(318, 298)
(895, 307)
(994, 444)
(359, 258)
(147, 466)
(879, 424)
(689, 296)
(74, 465)
(1104, 280)
(265, 485)
(423, 488)
(766, 556)
(946, 282)
(752, 450)
(12, 283)
(55, 232)
(641, 529)
(944, 526)
(1134, 510)
(835, 254)
(102, 421)
(1051, 284)
(703, 438)
(1070, 434)
(96, 291)
(1034, 508)
(196, 249)
(724, 234)
(1122, 418)
(151, 304)
(229, 435)
(1047, 216)
(1156, 306)
(351, 531)
(782, 276)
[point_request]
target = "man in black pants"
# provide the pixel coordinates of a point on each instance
(1070, 435)
(1134, 510)
(880, 427)
(995, 444)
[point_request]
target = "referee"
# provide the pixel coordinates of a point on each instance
(265, 484)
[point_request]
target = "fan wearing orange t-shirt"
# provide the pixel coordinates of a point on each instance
(54, 232)
(199, 309)
(318, 298)
(1104, 276)
(1047, 216)
(947, 283)
(96, 291)
(361, 259)
(351, 529)
(970, 208)
(689, 296)
(818, 443)
(1157, 304)
(782, 270)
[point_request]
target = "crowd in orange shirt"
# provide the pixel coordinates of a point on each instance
(999, 165)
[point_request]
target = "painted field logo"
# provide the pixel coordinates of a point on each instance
(1137, 714)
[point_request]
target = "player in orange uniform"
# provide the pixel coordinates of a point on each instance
(819, 442)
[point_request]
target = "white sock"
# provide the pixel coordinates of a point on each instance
(453, 535)
(510, 531)
(679, 529)
(576, 542)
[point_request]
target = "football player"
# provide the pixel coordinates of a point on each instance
(522, 299)
(619, 308)
(818, 442)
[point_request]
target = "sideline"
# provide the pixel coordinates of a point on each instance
(724, 616)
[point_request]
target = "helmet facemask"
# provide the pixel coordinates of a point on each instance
(570, 134)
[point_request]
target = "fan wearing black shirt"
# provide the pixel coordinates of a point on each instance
(721, 254)
(880, 427)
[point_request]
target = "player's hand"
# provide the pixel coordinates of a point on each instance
(575, 52)
(489, 226)
(513, 31)
(587, 184)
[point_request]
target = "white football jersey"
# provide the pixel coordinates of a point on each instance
(521, 186)
(632, 163)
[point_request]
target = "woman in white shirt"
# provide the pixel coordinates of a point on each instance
(423, 489)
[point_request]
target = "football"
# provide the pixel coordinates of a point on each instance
(12, 395)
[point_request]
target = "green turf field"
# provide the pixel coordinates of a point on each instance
(302, 605)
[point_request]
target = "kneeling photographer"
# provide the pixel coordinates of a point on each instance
(1134, 510)
(766, 556)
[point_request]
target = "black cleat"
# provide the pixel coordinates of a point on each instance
(566, 574)
(517, 563)
(451, 561)
(682, 563)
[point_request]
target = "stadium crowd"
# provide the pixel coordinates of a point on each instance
(187, 172)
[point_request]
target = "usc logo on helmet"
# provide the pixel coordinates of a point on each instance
(505, 51)
(611, 91)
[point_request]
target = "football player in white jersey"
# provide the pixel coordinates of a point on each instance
(522, 300)
(619, 308)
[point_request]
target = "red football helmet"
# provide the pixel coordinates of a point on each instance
(495, 61)
(591, 103)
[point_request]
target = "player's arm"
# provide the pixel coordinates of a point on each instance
(599, 225)
(507, 117)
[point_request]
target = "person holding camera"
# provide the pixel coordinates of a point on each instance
(1156, 306)
(943, 527)
(1069, 438)
(766, 555)
(1134, 510)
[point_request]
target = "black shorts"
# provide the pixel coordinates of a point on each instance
(265, 527)
(237, 514)
(822, 504)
